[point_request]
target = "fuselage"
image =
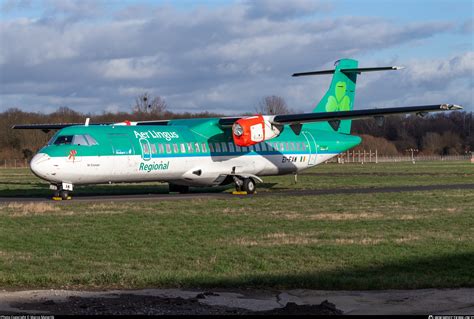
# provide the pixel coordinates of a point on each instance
(188, 152)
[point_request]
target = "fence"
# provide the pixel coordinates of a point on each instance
(373, 157)
(13, 163)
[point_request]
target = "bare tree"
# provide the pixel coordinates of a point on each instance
(145, 103)
(272, 105)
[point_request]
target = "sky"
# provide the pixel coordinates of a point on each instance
(225, 56)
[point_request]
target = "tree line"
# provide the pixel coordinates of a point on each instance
(442, 134)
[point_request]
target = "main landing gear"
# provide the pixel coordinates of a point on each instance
(175, 188)
(244, 186)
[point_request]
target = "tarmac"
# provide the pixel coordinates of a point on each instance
(224, 195)
(458, 301)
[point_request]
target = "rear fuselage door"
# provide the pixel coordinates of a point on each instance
(312, 147)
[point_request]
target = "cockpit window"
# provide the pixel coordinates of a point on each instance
(91, 140)
(79, 140)
(63, 140)
(52, 139)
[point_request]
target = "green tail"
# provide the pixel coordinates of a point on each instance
(339, 97)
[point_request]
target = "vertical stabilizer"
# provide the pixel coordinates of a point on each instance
(339, 97)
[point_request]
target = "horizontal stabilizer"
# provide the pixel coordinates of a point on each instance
(356, 70)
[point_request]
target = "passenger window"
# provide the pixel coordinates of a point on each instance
(146, 150)
(263, 146)
(196, 145)
(161, 148)
(153, 149)
(168, 148)
(257, 147)
(231, 147)
(175, 148)
(224, 147)
(282, 146)
(204, 148)
(304, 146)
(183, 148)
(211, 147)
(218, 148)
(238, 149)
(63, 140)
(190, 147)
(298, 146)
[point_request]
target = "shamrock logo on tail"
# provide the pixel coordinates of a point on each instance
(341, 102)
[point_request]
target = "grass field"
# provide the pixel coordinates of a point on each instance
(352, 241)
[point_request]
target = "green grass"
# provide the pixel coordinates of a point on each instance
(21, 182)
(353, 241)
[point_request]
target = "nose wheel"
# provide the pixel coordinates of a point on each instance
(60, 193)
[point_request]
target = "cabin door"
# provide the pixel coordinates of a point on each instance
(312, 148)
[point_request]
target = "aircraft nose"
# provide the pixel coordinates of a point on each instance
(38, 165)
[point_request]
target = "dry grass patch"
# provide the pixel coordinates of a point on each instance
(16, 209)
(406, 239)
(279, 239)
(276, 239)
(342, 216)
(12, 256)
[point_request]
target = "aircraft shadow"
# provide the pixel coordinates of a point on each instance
(445, 271)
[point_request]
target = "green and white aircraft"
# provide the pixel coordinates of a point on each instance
(210, 151)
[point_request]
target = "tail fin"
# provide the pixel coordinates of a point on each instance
(341, 93)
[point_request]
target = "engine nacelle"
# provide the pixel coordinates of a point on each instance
(255, 129)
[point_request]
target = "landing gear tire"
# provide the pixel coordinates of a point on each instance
(249, 186)
(182, 189)
(64, 195)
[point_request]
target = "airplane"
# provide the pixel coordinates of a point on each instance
(210, 151)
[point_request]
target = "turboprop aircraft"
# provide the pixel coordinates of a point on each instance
(210, 151)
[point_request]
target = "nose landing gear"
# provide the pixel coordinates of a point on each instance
(61, 191)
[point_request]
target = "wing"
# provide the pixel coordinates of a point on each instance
(349, 115)
(331, 117)
(58, 126)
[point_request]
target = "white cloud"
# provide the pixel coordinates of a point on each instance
(283, 9)
(219, 59)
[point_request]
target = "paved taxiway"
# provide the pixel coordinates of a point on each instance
(223, 195)
(458, 301)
